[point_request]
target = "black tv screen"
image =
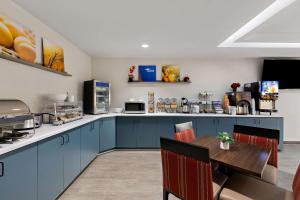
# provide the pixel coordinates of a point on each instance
(286, 72)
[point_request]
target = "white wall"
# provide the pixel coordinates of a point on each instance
(289, 107)
(210, 75)
(30, 84)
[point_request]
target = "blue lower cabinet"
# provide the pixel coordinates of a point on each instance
(206, 126)
(247, 121)
(147, 132)
(225, 124)
(89, 143)
(126, 134)
(50, 168)
(165, 128)
(58, 164)
(107, 134)
(18, 174)
(261, 122)
(71, 156)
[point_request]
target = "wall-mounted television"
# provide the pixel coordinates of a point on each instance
(286, 72)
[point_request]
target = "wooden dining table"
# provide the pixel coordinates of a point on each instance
(242, 157)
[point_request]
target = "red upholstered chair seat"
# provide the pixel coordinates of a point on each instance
(186, 135)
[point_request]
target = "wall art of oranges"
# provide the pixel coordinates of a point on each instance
(170, 73)
(16, 40)
(53, 56)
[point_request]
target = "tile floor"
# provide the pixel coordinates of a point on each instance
(136, 175)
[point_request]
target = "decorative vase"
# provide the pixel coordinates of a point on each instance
(130, 78)
(234, 89)
(224, 145)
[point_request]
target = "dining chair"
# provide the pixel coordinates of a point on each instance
(264, 138)
(185, 132)
(241, 187)
(187, 172)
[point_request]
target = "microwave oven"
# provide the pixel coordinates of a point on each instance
(134, 107)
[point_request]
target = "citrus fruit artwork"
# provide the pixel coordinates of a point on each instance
(170, 73)
(16, 40)
(53, 56)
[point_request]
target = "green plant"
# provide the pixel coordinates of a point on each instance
(225, 137)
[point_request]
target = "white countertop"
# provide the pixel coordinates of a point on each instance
(47, 130)
(193, 115)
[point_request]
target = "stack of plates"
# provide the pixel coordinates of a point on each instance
(217, 106)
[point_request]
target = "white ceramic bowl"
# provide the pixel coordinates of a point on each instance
(117, 110)
(58, 97)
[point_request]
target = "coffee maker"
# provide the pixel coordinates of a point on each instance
(242, 102)
(265, 95)
(185, 105)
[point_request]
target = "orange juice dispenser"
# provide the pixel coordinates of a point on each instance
(269, 91)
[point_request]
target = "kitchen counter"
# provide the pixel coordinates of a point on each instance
(193, 115)
(47, 130)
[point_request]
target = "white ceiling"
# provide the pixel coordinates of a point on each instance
(173, 28)
(283, 27)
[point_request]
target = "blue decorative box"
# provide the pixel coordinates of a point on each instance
(147, 73)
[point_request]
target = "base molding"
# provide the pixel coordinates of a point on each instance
(291, 142)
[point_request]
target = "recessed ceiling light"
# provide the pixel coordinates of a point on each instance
(262, 17)
(145, 46)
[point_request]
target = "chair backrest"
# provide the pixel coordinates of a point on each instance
(296, 184)
(186, 170)
(184, 132)
(260, 137)
(183, 126)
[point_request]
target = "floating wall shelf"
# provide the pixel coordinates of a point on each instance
(180, 82)
(38, 66)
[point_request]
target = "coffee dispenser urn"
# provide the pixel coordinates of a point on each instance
(185, 105)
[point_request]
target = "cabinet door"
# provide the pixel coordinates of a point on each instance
(89, 143)
(94, 138)
(226, 124)
(107, 134)
(165, 128)
(50, 168)
(126, 135)
(206, 126)
(271, 123)
(261, 122)
(247, 121)
(146, 131)
(85, 150)
(19, 177)
(71, 156)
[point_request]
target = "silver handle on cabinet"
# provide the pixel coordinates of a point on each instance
(2, 169)
(62, 142)
(92, 126)
(68, 138)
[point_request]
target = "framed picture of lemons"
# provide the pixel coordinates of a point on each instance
(16, 40)
(170, 73)
(53, 55)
